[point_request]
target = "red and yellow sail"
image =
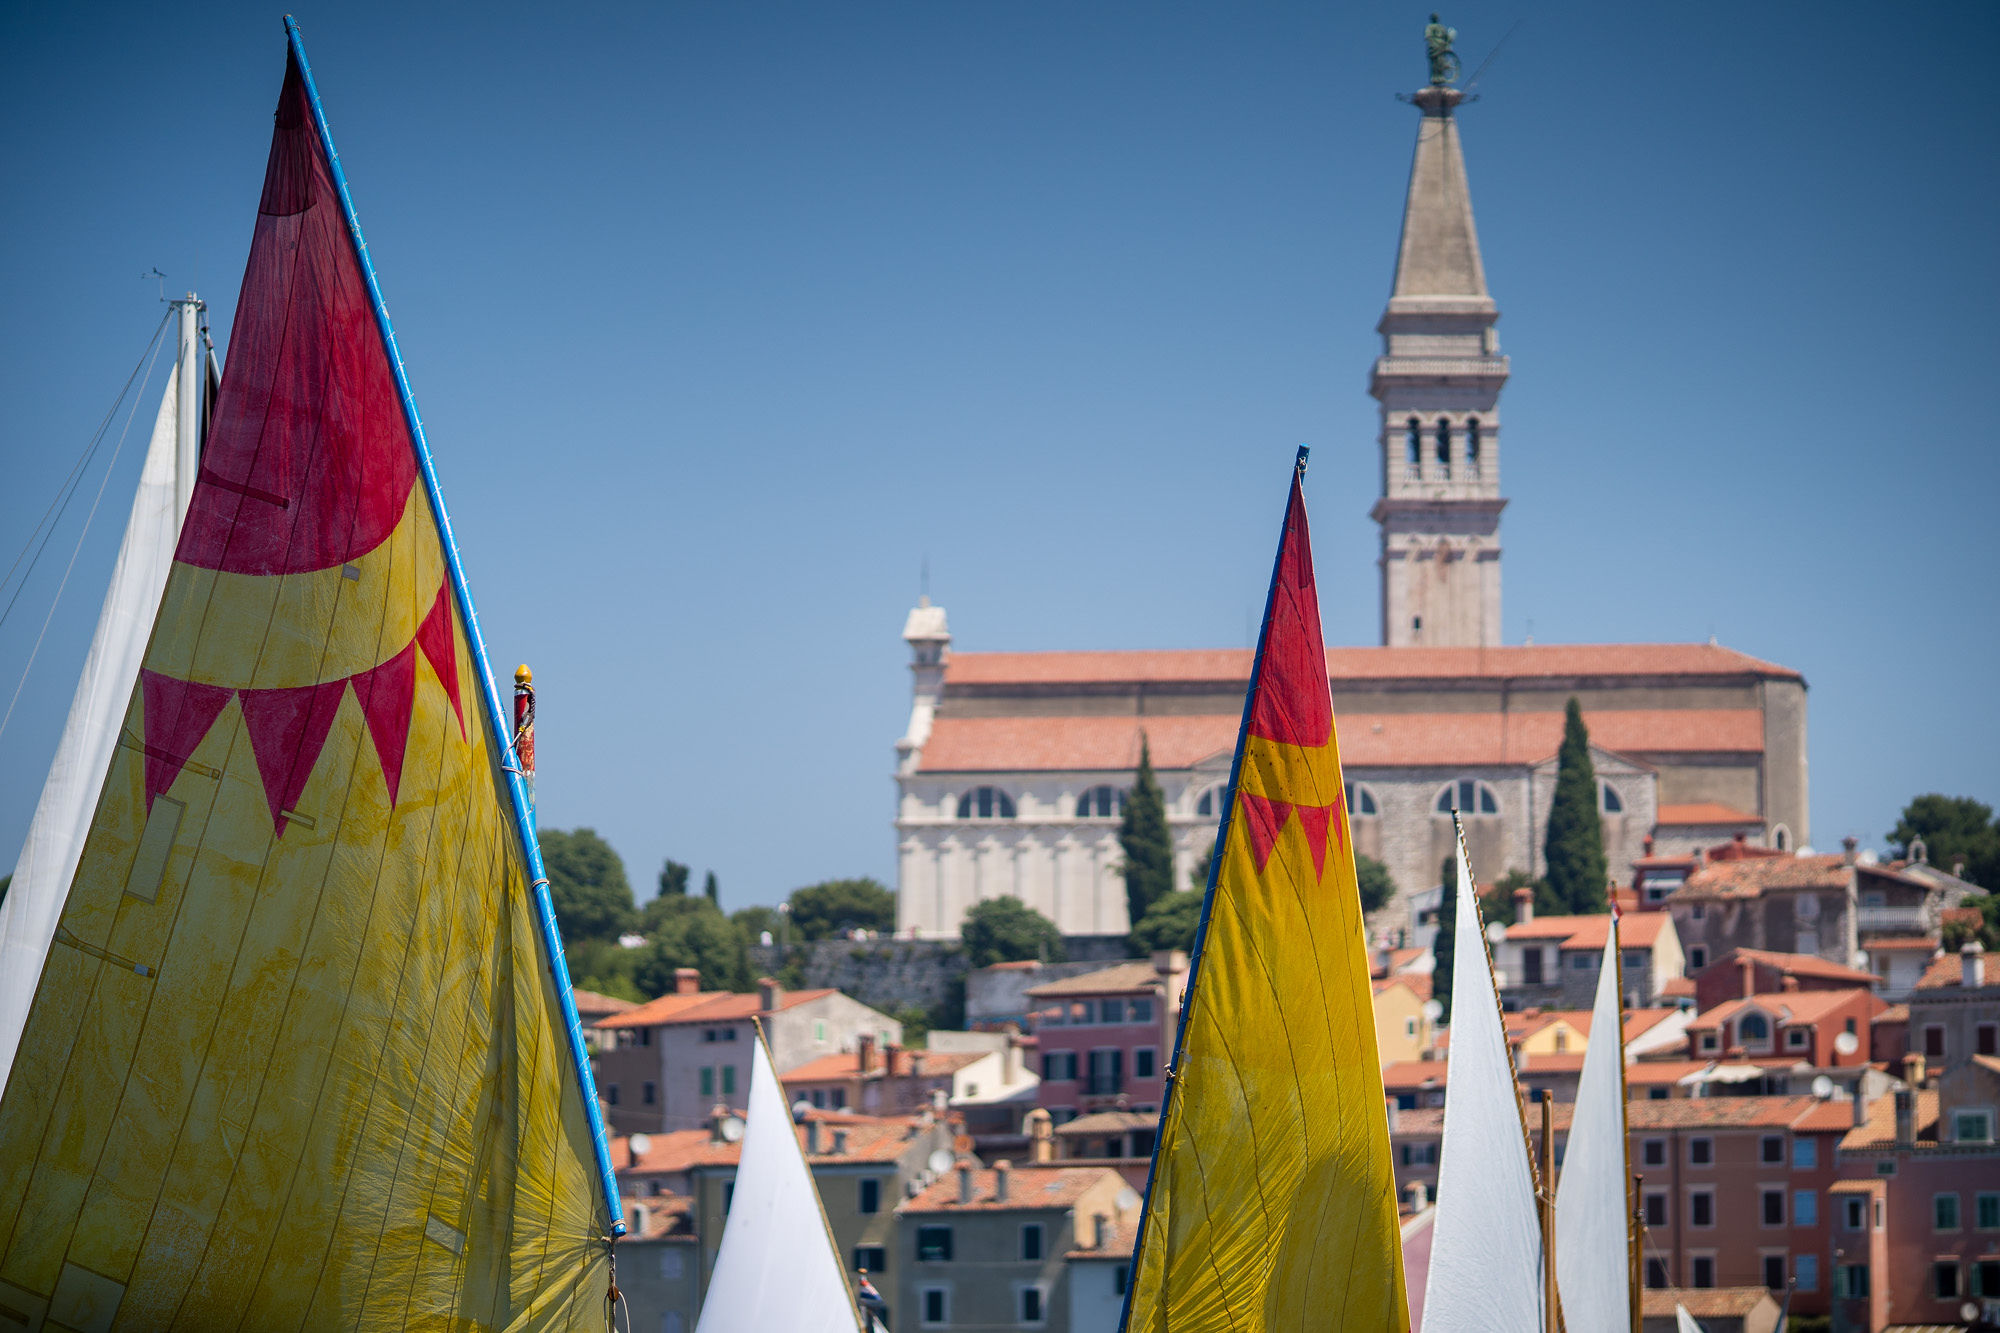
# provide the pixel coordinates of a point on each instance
(1273, 1201)
(296, 1060)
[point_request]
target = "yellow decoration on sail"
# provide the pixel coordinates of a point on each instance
(1272, 1204)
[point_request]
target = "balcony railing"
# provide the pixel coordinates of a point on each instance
(1891, 918)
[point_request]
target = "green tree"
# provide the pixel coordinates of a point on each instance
(826, 910)
(1986, 929)
(1444, 947)
(1378, 886)
(1170, 923)
(1198, 877)
(673, 879)
(710, 889)
(1007, 930)
(916, 1021)
(1149, 848)
(1954, 829)
(1575, 848)
(606, 967)
(752, 922)
(1499, 905)
(691, 932)
(593, 899)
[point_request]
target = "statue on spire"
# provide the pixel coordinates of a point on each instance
(1437, 43)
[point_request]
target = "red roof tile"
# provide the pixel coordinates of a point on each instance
(1409, 1075)
(909, 1064)
(1118, 979)
(869, 1139)
(1638, 930)
(712, 1006)
(1704, 1302)
(1031, 1187)
(1750, 878)
(1901, 943)
(1799, 965)
(1704, 812)
(1716, 1112)
(589, 1004)
(1792, 1006)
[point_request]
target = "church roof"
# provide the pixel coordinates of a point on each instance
(1382, 740)
(1232, 665)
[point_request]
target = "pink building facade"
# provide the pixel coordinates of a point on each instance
(1105, 1037)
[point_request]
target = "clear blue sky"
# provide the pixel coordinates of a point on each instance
(725, 318)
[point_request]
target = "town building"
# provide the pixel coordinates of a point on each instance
(673, 1059)
(1104, 1037)
(988, 1248)
(1403, 1029)
(1714, 1309)
(1554, 960)
(657, 1269)
(1740, 973)
(1955, 1009)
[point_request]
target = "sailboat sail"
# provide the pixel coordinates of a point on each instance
(1486, 1244)
(778, 1267)
(56, 833)
(1272, 1201)
(302, 1055)
(1683, 1321)
(1592, 1261)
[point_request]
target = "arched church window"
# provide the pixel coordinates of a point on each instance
(1360, 800)
(986, 803)
(1444, 446)
(1472, 446)
(1100, 802)
(1413, 448)
(1210, 804)
(1608, 799)
(1781, 838)
(1468, 796)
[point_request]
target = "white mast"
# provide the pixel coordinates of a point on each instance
(1593, 1262)
(69, 795)
(1486, 1244)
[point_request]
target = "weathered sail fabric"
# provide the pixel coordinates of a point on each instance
(1273, 1202)
(90, 734)
(295, 1060)
(1486, 1245)
(1593, 1268)
(777, 1268)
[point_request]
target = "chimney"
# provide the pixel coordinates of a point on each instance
(813, 1132)
(890, 1052)
(1648, 844)
(1524, 905)
(1972, 963)
(1919, 852)
(716, 1115)
(1849, 849)
(1958, 870)
(1003, 1171)
(1040, 1128)
(1748, 971)
(687, 981)
(1906, 1116)
(1419, 1196)
(840, 1143)
(1788, 982)
(767, 995)
(1913, 1069)
(1861, 1101)
(1100, 1231)
(965, 1183)
(864, 1053)
(1392, 1113)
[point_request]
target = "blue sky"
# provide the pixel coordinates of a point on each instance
(726, 319)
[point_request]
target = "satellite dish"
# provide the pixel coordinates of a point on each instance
(1128, 1199)
(1822, 1087)
(732, 1129)
(800, 1109)
(1433, 1010)
(1847, 1043)
(1969, 1312)
(939, 1161)
(1495, 933)
(640, 1145)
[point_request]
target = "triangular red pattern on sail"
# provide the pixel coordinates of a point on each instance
(1315, 820)
(386, 696)
(287, 731)
(1292, 705)
(1263, 818)
(434, 637)
(178, 714)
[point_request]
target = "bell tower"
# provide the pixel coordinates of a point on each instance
(1438, 382)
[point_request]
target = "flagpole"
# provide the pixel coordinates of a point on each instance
(1208, 899)
(1634, 1230)
(1550, 1304)
(524, 816)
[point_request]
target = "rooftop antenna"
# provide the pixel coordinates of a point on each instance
(155, 273)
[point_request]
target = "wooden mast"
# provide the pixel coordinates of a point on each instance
(1635, 1228)
(1550, 1317)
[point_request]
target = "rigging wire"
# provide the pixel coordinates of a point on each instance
(1491, 56)
(67, 490)
(96, 500)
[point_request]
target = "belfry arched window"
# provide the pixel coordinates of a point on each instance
(1444, 446)
(986, 803)
(1468, 796)
(1472, 459)
(1101, 802)
(1413, 448)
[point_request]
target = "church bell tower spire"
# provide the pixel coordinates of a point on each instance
(1438, 382)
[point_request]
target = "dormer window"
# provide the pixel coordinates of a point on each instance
(1753, 1029)
(986, 803)
(1100, 802)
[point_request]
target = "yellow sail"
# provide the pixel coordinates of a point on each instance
(1273, 1201)
(297, 1059)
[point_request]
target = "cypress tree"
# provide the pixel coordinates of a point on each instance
(1444, 946)
(711, 890)
(1575, 848)
(1148, 847)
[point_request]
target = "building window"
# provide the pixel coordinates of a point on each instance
(1656, 1210)
(1361, 800)
(1988, 1216)
(1805, 1272)
(1472, 446)
(1120, 1276)
(934, 1245)
(1805, 1208)
(1653, 1152)
(1773, 1203)
(611, 1094)
(1031, 1305)
(1444, 447)
(870, 1195)
(1972, 1126)
(1608, 800)
(1142, 1011)
(1059, 1066)
(1144, 1062)
(1986, 1039)
(1656, 1274)
(937, 1306)
(1753, 1028)
(1795, 1039)
(1774, 1272)
(648, 1094)
(1986, 1277)
(1467, 796)
(1855, 1214)
(1933, 1042)
(1413, 449)
(1701, 1208)
(1697, 958)
(1771, 1149)
(871, 1258)
(1031, 1243)
(1111, 1011)
(729, 1080)
(986, 803)
(1213, 801)
(1850, 1281)
(1701, 1152)
(1703, 1270)
(1944, 1212)
(1708, 1041)
(819, 1030)
(1944, 1274)
(1781, 838)
(1100, 802)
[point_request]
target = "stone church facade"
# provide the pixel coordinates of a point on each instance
(1012, 768)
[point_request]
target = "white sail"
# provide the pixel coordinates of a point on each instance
(1683, 1321)
(69, 795)
(1592, 1263)
(1486, 1244)
(777, 1268)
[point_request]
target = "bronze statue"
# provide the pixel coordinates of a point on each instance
(1437, 43)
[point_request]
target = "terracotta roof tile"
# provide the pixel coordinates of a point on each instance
(1410, 1075)
(1118, 979)
(589, 1004)
(1677, 987)
(1638, 930)
(1792, 1006)
(1949, 970)
(1798, 965)
(1658, 1073)
(869, 1139)
(1716, 1112)
(1704, 812)
(1751, 877)
(1703, 1302)
(1420, 1121)
(1108, 1122)
(714, 1006)
(1901, 943)
(1880, 1130)
(1031, 1187)
(909, 1064)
